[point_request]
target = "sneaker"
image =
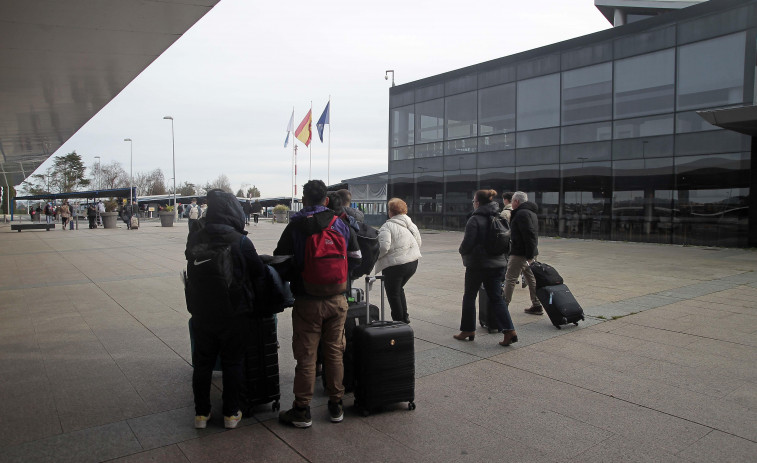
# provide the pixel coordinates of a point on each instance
(297, 417)
(535, 310)
(336, 411)
(231, 422)
(201, 421)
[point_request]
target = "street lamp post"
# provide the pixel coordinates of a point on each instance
(173, 153)
(131, 175)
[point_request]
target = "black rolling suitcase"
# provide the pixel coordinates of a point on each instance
(485, 316)
(356, 315)
(384, 361)
(261, 366)
(560, 305)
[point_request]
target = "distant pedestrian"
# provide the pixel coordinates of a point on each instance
(49, 213)
(65, 214)
(92, 216)
(256, 207)
(193, 213)
(247, 207)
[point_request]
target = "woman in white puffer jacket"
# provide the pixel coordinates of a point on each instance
(400, 249)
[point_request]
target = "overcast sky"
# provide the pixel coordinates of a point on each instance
(232, 80)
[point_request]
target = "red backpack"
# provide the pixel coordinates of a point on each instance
(325, 269)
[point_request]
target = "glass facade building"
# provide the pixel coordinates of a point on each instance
(601, 132)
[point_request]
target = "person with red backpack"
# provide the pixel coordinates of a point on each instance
(320, 243)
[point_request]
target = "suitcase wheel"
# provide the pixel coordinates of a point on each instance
(275, 406)
(411, 405)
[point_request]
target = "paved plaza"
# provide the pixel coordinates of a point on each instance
(95, 360)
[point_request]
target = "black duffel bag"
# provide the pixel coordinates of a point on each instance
(545, 275)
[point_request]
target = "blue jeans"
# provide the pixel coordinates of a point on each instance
(492, 280)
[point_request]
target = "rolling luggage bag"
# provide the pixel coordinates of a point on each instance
(560, 305)
(384, 361)
(134, 222)
(545, 275)
(485, 316)
(261, 366)
(356, 315)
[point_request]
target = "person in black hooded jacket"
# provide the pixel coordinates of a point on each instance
(225, 335)
(482, 267)
(524, 238)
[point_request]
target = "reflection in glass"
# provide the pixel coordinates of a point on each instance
(459, 187)
(642, 205)
(402, 123)
(429, 121)
(461, 115)
(462, 146)
(644, 84)
(496, 110)
(643, 127)
(587, 189)
(542, 185)
(506, 141)
(429, 150)
(429, 199)
(712, 199)
(406, 152)
(534, 138)
(587, 94)
(711, 72)
(539, 102)
(403, 187)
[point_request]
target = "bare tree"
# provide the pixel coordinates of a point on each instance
(150, 183)
(113, 175)
(222, 183)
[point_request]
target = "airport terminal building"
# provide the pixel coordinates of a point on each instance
(606, 133)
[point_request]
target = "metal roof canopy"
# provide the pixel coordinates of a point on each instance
(91, 194)
(62, 61)
(742, 119)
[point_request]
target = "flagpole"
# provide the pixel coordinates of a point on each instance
(310, 172)
(328, 165)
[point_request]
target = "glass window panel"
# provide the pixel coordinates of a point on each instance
(496, 159)
(462, 162)
(429, 121)
(711, 73)
(429, 150)
(587, 193)
(539, 102)
(586, 152)
(461, 115)
(406, 152)
(401, 167)
(713, 25)
(544, 137)
(401, 98)
(538, 67)
(587, 94)
(496, 109)
(429, 93)
(535, 156)
(722, 141)
(692, 122)
(588, 132)
(499, 75)
(652, 147)
(642, 205)
(460, 84)
(643, 127)
(505, 141)
(429, 164)
(712, 199)
(402, 123)
(403, 187)
(459, 189)
(586, 55)
(429, 200)
(644, 84)
(542, 185)
(465, 145)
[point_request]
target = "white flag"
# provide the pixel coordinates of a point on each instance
(290, 127)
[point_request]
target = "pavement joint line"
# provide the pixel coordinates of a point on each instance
(263, 423)
(85, 281)
(679, 332)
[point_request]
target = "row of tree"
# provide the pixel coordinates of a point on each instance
(68, 173)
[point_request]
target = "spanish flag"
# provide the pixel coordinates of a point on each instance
(303, 132)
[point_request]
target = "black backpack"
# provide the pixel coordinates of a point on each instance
(498, 236)
(367, 239)
(210, 287)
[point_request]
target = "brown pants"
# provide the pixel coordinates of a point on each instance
(314, 320)
(516, 265)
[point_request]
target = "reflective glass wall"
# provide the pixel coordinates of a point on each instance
(602, 135)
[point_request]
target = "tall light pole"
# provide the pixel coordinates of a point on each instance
(173, 151)
(131, 175)
(97, 182)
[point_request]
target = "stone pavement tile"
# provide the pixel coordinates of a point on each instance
(719, 446)
(654, 335)
(651, 301)
(432, 361)
(613, 309)
(745, 395)
(27, 418)
(596, 339)
(160, 396)
(95, 405)
(166, 368)
(247, 444)
(355, 439)
(174, 426)
(88, 445)
(576, 351)
(726, 349)
(168, 454)
(741, 278)
(421, 345)
(622, 449)
(701, 378)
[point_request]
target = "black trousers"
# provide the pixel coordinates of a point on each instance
(395, 278)
(211, 339)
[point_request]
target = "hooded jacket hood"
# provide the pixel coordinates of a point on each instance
(224, 212)
(486, 210)
(529, 206)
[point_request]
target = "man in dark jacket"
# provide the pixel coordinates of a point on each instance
(351, 211)
(247, 211)
(524, 238)
(314, 318)
(216, 332)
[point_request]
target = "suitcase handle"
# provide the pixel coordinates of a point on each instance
(368, 281)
